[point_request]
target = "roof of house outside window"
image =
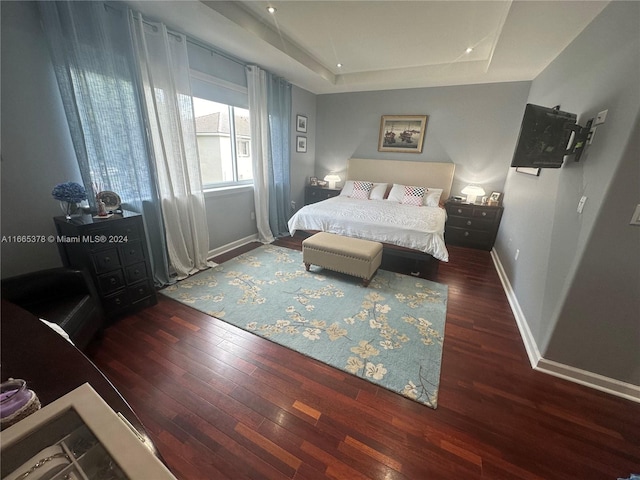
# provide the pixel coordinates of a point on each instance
(219, 123)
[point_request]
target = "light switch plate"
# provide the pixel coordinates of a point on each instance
(581, 204)
(601, 117)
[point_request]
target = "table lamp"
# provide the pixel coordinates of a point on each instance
(332, 178)
(472, 192)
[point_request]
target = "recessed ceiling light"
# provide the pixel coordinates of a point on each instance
(271, 9)
(468, 50)
(339, 65)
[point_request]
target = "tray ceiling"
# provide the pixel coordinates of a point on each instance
(384, 44)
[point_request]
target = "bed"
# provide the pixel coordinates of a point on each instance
(408, 230)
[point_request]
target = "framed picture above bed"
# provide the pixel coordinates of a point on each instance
(402, 133)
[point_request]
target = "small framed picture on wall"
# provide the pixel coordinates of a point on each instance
(301, 123)
(301, 144)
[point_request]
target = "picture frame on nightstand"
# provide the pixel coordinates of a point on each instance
(494, 198)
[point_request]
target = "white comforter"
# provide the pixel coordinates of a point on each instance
(419, 228)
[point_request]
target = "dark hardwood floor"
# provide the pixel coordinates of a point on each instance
(221, 403)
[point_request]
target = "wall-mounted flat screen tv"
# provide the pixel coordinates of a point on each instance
(544, 137)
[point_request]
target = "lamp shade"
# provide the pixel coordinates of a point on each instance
(332, 178)
(472, 192)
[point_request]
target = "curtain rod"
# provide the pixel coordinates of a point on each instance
(211, 49)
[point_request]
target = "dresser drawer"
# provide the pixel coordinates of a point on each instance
(110, 282)
(140, 290)
(131, 252)
(317, 194)
(460, 210)
(128, 230)
(136, 272)
(106, 260)
(115, 302)
(462, 236)
(488, 214)
(470, 223)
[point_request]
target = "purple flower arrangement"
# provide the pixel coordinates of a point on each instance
(71, 192)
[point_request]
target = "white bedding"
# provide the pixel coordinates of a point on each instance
(419, 228)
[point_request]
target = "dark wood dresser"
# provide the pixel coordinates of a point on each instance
(314, 194)
(471, 225)
(114, 251)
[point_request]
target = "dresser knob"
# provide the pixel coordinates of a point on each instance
(484, 214)
(113, 281)
(468, 222)
(459, 210)
(466, 234)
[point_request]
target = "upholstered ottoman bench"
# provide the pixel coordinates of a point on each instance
(353, 256)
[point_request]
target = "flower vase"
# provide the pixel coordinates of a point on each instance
(68, 208)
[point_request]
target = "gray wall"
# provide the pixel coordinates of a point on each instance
(229, 216)
(302, 164)
(37, 152)
(473, 126)
(577, 277)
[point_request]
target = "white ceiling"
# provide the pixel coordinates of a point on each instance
(384, 44)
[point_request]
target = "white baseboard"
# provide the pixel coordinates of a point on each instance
(590, 379)
(550, 367)
(530, 344)
(230, 246)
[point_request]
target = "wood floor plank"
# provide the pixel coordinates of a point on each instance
(222, 403)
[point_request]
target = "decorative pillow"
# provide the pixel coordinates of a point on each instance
(396, 194)
(432, 198)
(378, 191)
(361, 190)
(414, 195)
(347, 189)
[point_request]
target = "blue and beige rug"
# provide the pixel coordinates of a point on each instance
(390, 333)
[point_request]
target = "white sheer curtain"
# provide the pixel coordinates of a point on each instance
(270, 107)
(164, 71)
(259, 118)
(90, 45)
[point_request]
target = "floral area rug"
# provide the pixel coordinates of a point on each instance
(389, 333)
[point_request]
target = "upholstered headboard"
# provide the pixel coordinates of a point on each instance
(423, 174)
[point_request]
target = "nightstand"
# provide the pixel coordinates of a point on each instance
(316, 194)
(470, 225)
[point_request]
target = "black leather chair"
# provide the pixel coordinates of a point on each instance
(60, 295)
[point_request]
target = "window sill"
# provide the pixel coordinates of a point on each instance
(229, 190)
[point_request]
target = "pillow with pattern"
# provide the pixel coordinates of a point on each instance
(413, 195)
(361, 190)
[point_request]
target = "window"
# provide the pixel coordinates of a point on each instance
(224, 143)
